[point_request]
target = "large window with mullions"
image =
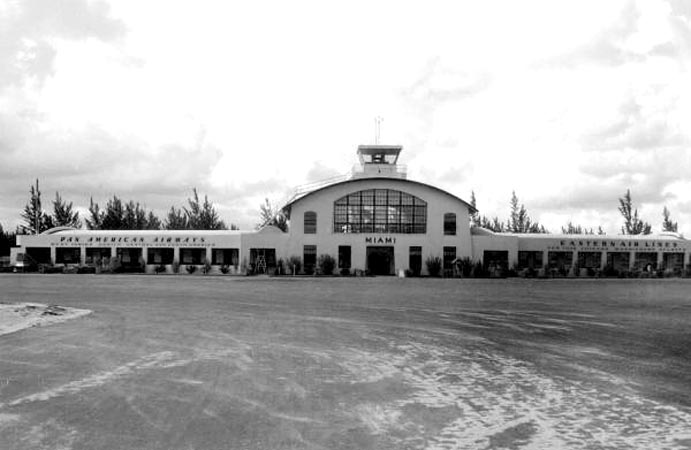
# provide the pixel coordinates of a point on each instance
(380, 211)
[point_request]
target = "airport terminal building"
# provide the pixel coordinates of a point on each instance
(374, 220)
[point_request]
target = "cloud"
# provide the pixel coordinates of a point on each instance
(638, 127)
(29, 28)
(439, 82)
(606, 48)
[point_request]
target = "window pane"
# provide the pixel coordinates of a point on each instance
(310, 223)
(449, 224)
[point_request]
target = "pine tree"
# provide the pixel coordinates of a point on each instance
(64, 215)
(153, 222)
(36, 220)
(271, 215)
(121, 216)
(632, 224)
(474, 216)
(7, 241)
(519, 220)
(667, 224)
(176, 220)
(94, 223)
(577, 229)
(113, 215)
(203, 216)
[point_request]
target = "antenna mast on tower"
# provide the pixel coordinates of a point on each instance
(377, 129)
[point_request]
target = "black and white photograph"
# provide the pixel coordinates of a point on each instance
(345, 225)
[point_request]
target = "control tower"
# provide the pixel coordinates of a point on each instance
(378, 161)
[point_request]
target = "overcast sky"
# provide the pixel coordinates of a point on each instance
(567, 103)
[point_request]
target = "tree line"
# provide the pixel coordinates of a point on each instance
(520, 222)
(119, 214)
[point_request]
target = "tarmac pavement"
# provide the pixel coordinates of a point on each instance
(210, 362)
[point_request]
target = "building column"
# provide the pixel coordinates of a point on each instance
(545, 258)
(603, 260)
(632, 260)
(82, 256)
(574, 261)
(208, 254)
(52, 255)
(176, 254)
(660, 259)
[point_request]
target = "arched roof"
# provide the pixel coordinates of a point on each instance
(56, 230)
(289, 205)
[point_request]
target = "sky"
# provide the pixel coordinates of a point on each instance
(569, 104)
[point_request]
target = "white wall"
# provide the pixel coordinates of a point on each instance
(327, 241)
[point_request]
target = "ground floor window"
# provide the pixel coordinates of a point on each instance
(673, 261)
(560, 261)
(225, 256)
(309, 258)
(618, 260)
(415, 259)
(68, 255)
(129, 256)
(192, 255)
(496, 259)
(160, 256)
(38, 255)
(96, 255)
(645, 260)
(530, 260)
(449, 258)
(589, 260)
(262, 259)
(344, 256)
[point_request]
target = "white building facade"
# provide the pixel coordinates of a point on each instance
(375, 221)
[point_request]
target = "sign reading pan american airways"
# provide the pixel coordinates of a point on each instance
(132, 241)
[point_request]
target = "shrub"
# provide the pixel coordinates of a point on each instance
(280, 267)
(114, 265)
(345, 272)
(609, 271)
(191, 268)
(434, 265)
(295, 264)
(479, 270)
(161, 268)
(206, 266)
(465, 266)
(225, 268)
(326, 264)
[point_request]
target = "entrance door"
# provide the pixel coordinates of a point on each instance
(380, 260)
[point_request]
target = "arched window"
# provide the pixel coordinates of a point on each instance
(380, 211)
(450, 224)
(310, 222)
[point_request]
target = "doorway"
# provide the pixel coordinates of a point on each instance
(380, 260)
